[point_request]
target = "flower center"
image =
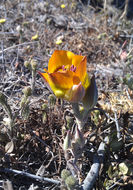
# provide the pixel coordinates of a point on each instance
(72, 68)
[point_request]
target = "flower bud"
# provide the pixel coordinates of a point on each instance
(27, 64)
(33, 64)
(27, 91)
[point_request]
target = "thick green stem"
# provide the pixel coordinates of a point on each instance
(77, 113)
(81, 118)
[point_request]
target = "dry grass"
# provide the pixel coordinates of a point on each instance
(38, 143)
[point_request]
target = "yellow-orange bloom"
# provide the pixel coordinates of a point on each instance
(67, 75)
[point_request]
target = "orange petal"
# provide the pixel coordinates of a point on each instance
(81, 72)
(62, 79)
(59, 79)
(59, 82)
(81, 69)
(44, 75)
(76, 80)
(60, 93)
(62, 57)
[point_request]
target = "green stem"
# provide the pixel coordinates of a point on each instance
(77, 113)
(81, 118)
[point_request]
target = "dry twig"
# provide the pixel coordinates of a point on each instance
(44, 179)
(94, 171)
(18, 45)
(117, 127)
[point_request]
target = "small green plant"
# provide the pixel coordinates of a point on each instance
(24, 104)
(7, 135)
(52, 100)
(69, 181)
(45, 110)
(6, 106)
(32, 65)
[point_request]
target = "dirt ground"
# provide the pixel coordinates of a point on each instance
(32, 31)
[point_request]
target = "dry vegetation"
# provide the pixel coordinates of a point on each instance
(32, 31)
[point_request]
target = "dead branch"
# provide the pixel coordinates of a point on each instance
(44, 179)
(94, 171)
(18, 45)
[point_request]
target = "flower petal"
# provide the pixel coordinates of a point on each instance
(60, 93)
(75, 94)
(59, 82)
(62, 57)
(81, 72)
(62, 79)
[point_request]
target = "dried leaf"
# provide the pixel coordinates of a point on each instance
(41, 171)
(7, 185)
(9, 147)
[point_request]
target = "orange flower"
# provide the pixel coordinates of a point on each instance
(67, 75)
